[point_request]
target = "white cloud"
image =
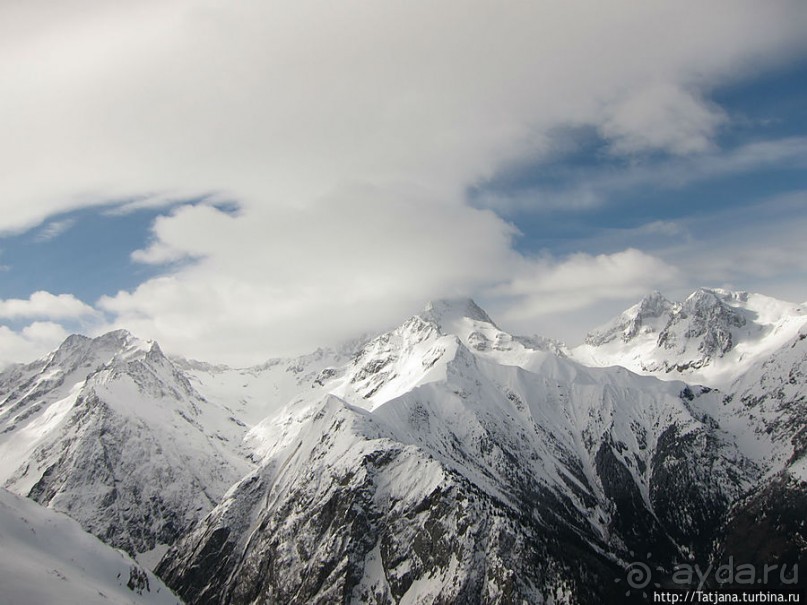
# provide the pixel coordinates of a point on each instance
(46, 305)
(564, 298)
(32, 342)
(275, 280)
(662, 116)
(163, 199)
(362, 262)
(280, 102)
(551, 286)
(157, 253)
(347, 132)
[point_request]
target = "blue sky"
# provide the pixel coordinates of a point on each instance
(555, 163)
(86, 252)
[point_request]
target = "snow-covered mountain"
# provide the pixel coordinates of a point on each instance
(452, 462)
(443, 461)
(754, 348)
(109, 431)
(711, 337)
(47, 558)
(251, 394)
(766, 409)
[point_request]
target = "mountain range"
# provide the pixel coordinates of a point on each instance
(444, 461)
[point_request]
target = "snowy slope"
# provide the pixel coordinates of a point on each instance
(451, 461)
(109, 431)
(766, 409)
(767, 405)
(712, 337)
(753, 348)
(47, 558)
(443, 461)
(254, 393)
(750, 346)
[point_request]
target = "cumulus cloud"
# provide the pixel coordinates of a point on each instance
(32, 342)
(301, 278)
(550, 286)
(46, 305)
(289, 279)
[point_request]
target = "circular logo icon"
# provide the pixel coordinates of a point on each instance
(638, 575)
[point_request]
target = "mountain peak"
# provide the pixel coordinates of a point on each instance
(654, 298)
(703, 296)
(649, 315)
(447, 310)
(708, 335)
(705, 318)
(713, 297)
(120, 337)
(654, 304)
(717, 307)
(77, 349)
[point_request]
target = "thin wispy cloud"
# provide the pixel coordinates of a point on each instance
(762, 241)
(53, 230)
(595, 186)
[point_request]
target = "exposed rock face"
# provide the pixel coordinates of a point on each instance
(767, 528)
(705, 318)
(357, 534)
(651, 310)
